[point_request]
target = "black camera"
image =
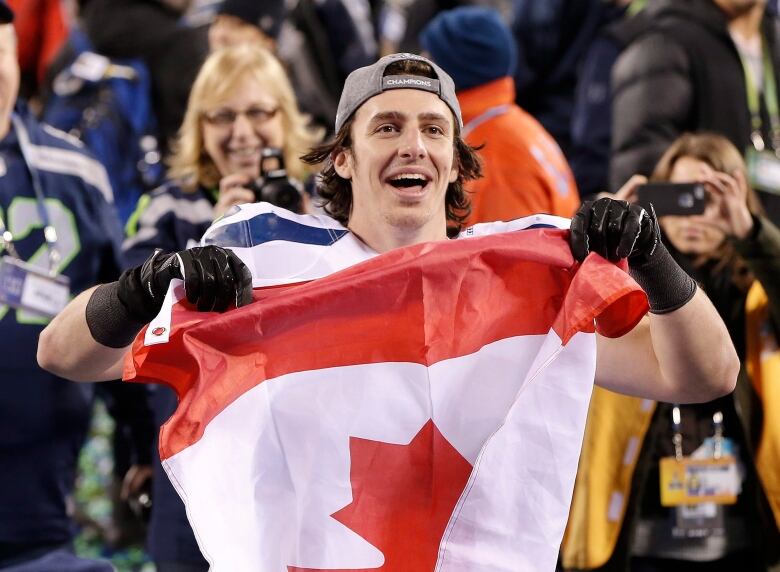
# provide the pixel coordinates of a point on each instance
(274, 186)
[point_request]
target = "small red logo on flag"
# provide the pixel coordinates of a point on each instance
(159, 331)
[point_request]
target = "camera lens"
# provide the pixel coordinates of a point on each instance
(283, 194)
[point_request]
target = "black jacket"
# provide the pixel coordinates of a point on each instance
(320, 45)
(761, 254)
(591, 122)
(683, 74)
(150, 30)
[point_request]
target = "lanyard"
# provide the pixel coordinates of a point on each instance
(489, 113)
(677, 437)
(717, 423)
(7, 239)
(754, 106)
(49, 232)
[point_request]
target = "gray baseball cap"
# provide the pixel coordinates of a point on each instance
(364, 83)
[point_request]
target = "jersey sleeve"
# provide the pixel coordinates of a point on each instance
(104, 225)
(149, 228)
(523, 223)
(113, 259)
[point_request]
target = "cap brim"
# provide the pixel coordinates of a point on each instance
(6, 14)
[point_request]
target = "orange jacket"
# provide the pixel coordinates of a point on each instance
(525, 170)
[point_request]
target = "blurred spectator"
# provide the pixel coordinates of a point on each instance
(320, 43)
(552, 38)
(400, 22)
(153, 31)
(241, 103)
(41, 27)
(591, 123)
(690, 73)
(132, 443)
(524, 169)
(60, 236)
(107, 104)
(244, 21)
(617, 522)
(201, 12)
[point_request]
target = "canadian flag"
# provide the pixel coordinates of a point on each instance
(420, 411)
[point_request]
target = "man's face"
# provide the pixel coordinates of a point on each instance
(9, 73)
(401, 162)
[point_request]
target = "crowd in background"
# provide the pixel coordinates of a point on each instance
(193, 106)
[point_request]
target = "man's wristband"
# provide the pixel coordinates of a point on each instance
(109, 320)
(668, 287)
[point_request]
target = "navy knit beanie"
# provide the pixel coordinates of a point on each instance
(268, 15)
(472, 44)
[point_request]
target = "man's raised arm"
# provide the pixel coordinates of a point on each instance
(88, 340)
(67, 349)
(682, 351)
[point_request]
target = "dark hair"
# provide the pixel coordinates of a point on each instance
(336, 192)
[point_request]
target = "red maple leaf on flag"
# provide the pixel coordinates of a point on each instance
(402, 498)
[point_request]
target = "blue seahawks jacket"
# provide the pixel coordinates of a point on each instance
(170, 219)
(43, 418)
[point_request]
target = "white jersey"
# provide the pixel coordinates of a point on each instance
(280, 247)
(383, 417)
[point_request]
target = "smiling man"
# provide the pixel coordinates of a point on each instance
(394, 173)
(393, 177)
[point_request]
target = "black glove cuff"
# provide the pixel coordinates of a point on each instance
(109, 320)
(668, 287)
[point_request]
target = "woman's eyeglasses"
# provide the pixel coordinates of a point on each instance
(227, 117)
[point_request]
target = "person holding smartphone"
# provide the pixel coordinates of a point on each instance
(733, 252)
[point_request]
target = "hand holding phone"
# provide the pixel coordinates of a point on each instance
(729, 202)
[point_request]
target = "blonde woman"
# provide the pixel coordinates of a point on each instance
(241, 103)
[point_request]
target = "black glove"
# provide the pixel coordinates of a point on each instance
(616, 230)
(213, 279)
